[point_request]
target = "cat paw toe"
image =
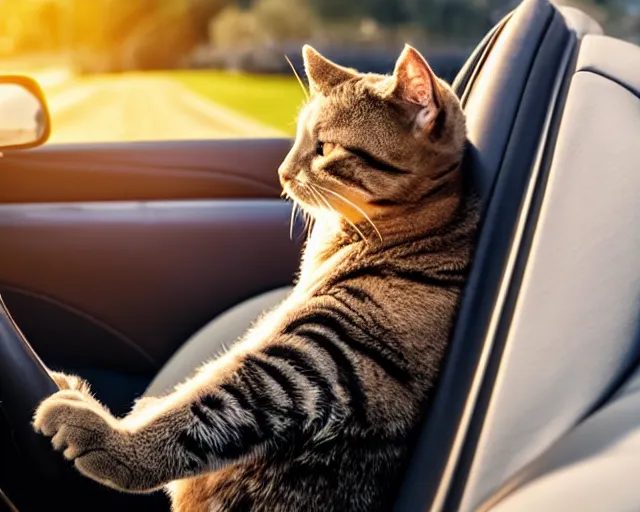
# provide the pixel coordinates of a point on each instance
(66, 408)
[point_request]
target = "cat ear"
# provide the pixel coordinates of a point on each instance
(415, 82)
(323, 74)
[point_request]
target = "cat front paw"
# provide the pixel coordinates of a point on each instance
(87, 435)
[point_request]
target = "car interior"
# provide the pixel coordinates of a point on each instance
(131, 264)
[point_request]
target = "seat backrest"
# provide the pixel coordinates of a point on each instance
(510, 89)
(574, 331)
(593, 467)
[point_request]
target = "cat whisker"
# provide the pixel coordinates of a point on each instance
(293, 218)
(318, 195)
(353, 205)
(307, 217)
(328, 204)
(304, 89)
(308, 222)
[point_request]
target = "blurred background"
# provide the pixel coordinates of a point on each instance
(124, 70)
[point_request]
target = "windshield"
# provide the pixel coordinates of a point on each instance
(131, 70)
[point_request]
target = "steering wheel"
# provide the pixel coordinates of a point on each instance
(24, 383)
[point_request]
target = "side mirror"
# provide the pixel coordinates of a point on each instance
(24, 116)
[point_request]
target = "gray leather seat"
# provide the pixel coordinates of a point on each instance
(212, 339)
(592, 468)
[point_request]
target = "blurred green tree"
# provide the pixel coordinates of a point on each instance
(284, 20)
(267, 22)
(235, 29)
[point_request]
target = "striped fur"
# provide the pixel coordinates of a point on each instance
(315, 408)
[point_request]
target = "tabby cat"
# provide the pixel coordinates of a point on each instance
(314, 409)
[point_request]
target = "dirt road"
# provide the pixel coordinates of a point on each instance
(139, 108)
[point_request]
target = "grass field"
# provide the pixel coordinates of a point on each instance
(273, 100)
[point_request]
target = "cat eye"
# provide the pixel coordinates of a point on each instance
(324, 148)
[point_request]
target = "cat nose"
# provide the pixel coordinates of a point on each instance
(285, 178)
(286, 174)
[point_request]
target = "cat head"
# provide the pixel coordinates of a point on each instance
(373, 144)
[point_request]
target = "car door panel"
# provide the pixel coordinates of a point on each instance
(121, 285)
(233, 168)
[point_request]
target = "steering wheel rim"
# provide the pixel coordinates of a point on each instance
(24, 382)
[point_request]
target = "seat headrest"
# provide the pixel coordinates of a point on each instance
(504, 85)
